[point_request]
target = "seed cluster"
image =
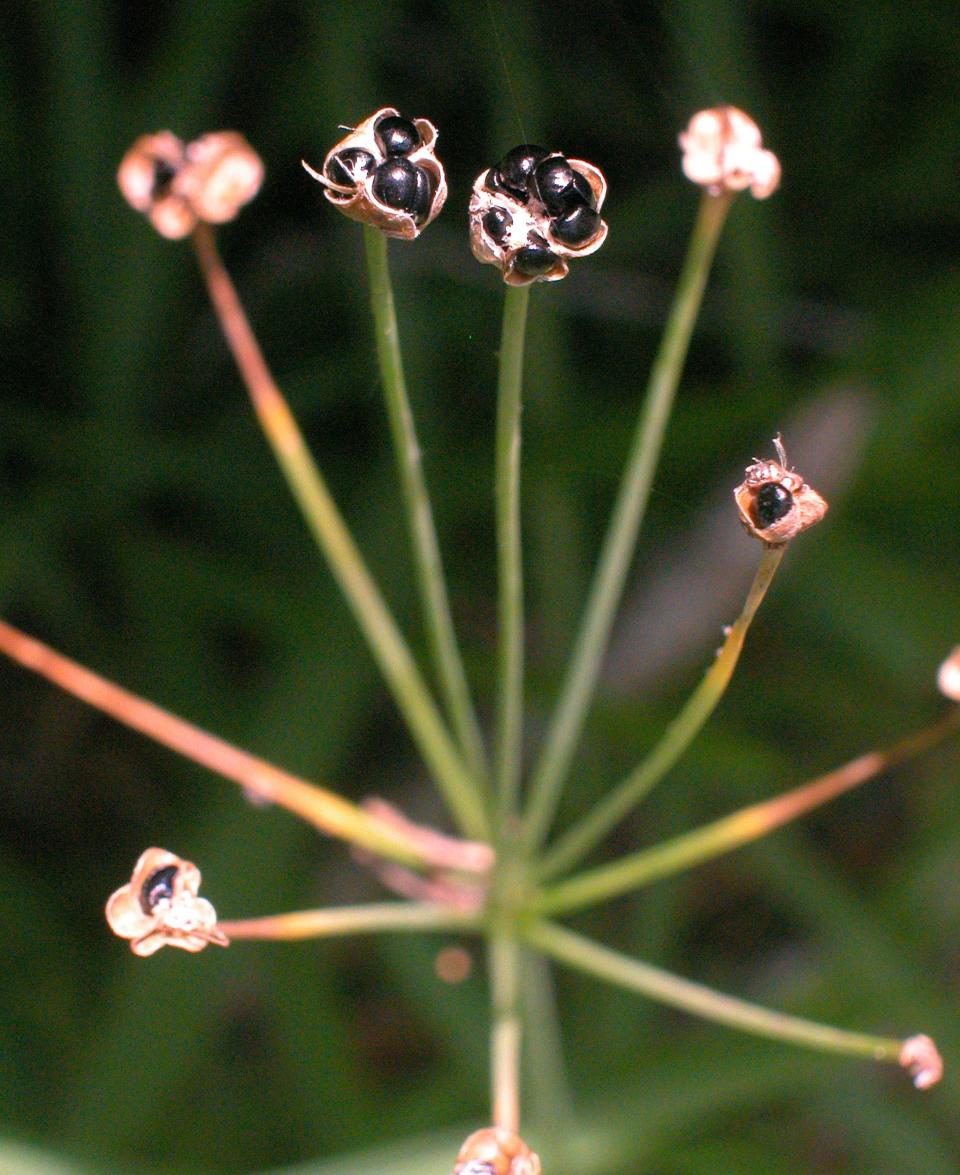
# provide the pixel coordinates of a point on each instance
(176, 184)
(533, 211)
(385, 173)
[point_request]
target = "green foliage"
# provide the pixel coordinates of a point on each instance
(148, 533)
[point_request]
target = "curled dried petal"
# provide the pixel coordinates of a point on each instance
(723, 152)
(921, 1059)
(160, 906)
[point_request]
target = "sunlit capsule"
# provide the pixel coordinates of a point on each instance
(774, 501)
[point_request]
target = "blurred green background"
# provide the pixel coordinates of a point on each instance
(147, 532)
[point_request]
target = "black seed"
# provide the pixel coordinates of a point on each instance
(771, 504)
(516, 167)
(350, 166)
(424, 197)
(496, 224)
(396, 184)
(158, 885)
(163, 175)
(396, 135)
(535, 258)
(576, 226)
(558, 187)
(494, 183)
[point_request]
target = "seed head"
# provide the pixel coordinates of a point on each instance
(920, 1057)
(774, 501)
(496, 1152)
(176, 185)
(722, 151)
(534, 211)
(159, 907)
(386, 173)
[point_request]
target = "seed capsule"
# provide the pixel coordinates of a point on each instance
(558, 187)
(396, 135)
(774, 501)
(496, 1152)
(386, 173)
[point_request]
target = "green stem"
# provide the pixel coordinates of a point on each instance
(423, 535)
(621, 537)
(573, 846)
(510, 677)
(384, 638)
(340, 920)
(733, 831)
(552, 1105)
(506, 1030)
(613, 967)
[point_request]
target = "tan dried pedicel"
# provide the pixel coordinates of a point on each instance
(534, 211)
(386, 173)
(496, 1152)
(774, 501)
(177, 185)
(723, 152)
(160, 906)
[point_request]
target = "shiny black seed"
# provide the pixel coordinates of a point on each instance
(396, 135)
(771, 504)
(516, 167)
(496, 224)
(401, 185)
(158, 885)
(558, 187)
(350, 166)
(535, 258)
(576, 226)
(494, 183)
(163, 175)
(424, 196)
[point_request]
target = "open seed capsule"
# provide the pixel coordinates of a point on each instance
(385, 172)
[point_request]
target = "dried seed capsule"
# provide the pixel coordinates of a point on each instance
(723, 152)
(349, 168)
(774, 501)
(496, 1152)
(160, 906)
(558, 187)
(396, 135)
(535, 258)
(385, 173)
(576, 226)
(510, 226)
